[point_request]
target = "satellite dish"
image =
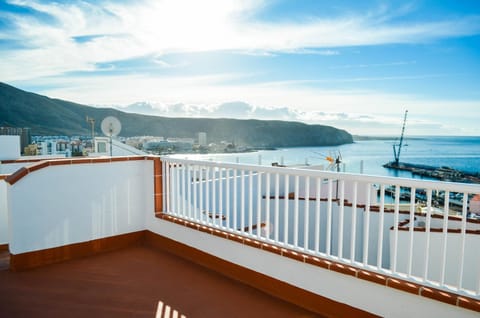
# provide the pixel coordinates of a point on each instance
(111, 126)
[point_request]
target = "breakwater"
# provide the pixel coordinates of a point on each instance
(440, 173)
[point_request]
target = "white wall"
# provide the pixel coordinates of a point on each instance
(61, 205)
(3, 213)
(9, 147)
(374, 298)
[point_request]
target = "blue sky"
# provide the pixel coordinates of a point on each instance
(356, 65)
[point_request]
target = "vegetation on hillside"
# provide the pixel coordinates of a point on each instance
(47, 116)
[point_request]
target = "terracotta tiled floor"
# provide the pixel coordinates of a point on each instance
(134, 282)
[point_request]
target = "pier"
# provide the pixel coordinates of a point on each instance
(440, 173)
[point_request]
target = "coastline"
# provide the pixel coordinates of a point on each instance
(367, 156)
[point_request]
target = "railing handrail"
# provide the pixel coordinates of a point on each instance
(305, 171)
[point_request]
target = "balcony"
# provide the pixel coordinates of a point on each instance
(336, 244)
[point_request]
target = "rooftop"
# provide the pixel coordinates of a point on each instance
(331, 243)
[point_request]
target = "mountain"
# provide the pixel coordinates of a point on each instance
(48, 116)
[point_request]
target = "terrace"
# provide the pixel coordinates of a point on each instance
(137, 281)
(333, 244)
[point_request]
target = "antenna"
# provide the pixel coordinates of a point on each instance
(334, 162)
(92, 122)
(395, 154)
(111, 126)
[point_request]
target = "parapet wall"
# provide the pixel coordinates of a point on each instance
(63, 202)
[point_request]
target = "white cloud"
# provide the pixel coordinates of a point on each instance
(233, 110)
(310, 51)
(363, 113)
(350, 66)
(134, 29)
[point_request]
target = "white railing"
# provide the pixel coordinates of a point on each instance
(392, 226)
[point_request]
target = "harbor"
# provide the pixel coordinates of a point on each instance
(442, 173)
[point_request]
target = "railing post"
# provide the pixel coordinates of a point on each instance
(268, 228)
(250, 202)
(353, 241)
(464, 236)
(427, 233)
(184, 192)
(196, 183)
(166, 187)
(201, 195)
(366, 233)
(277, 206)
(340, 218)
(411, 231)
(207, 193)
(445, 237)
(380, 227)
(329, 217)
(306, 213)
(395, 228)
(242, 201)
(285, 212)
(227, 198)
(214, 208)
(317, 213)
(190, 183)
(235, 200)
(295, 212)
(259, 204)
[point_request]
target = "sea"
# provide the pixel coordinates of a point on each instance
(367, 156)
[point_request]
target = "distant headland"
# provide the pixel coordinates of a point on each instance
(47, 116)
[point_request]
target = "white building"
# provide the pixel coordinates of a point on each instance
(202, 139)
(103, 147)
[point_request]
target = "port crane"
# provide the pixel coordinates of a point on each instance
(396, 155)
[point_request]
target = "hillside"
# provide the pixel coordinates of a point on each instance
(47, 116)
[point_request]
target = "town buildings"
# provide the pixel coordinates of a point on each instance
(24, 133)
